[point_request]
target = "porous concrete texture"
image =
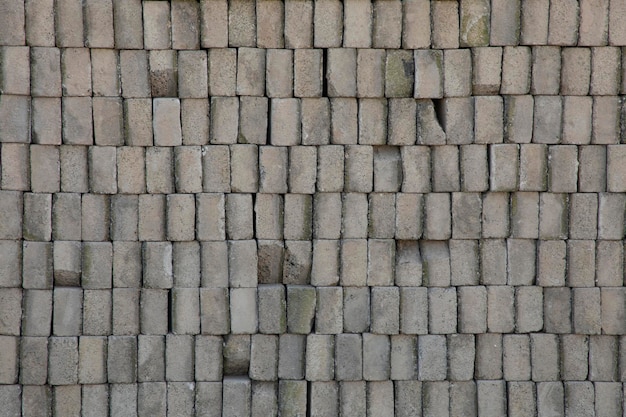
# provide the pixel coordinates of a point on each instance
(312, 208)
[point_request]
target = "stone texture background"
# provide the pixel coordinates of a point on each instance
(321, 208)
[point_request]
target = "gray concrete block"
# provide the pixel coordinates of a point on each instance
(297, 262)
(408, 268)
(461, 354)
(97, 265)
(516, 357)
(435, 263)
(123, 400)
(62, 360)
(356, 309)
(500, 309)
(179, 358)
(301, 303)
(413, 310)
(348, 357)
(243, 310)
(437, 216)
(37, 220)
(381, 255)
(359, 169)
(352, 398)
(243, 264)
(292, 398)
(488, 356)
(330, 169)
(97, 312)
(271, 254)
(376, 357)
(36, 313)
(264, 358)
(33, 358)
(521, 398)
(472, 306)
(291, 356)
(385, 310)
(442, 307)
(544, 357)
(550, 398)
(329, 310)
(209, 399)
(325, 262)
(36, 266)
(319, 364)
(432, 354)
(92, 360)
(185, 311)
(222, 73)
(603, 358)
(15, 167)
(150, 358)
(214, 264)
(574, 350)
(302, 172)
(67, 311)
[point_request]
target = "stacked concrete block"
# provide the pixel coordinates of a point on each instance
(312, 207)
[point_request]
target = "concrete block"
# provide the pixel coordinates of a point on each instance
(348, 357)
(486, 70)
(134, 74)
(359, 168)
(97, 312)
(36, 399)
(69, 24)
(166, 122)
(15, 167)
(92, 360)
(253, 120)
(488, 124)
(222, 63)
(385, 310)
(74, 176)
(533, 168)
(76, 72)
(546, 70)
(66, 216)
(474, 168)
(192, 74)
(271, 254)
(264, 358)
(279, 73)
(461, 353)
(272, 309)
(98, 19)
(298, 213)
(464, 262)
(124, 217)
(435, 263)
(574, 351)
(13, 81)
(214, 311)
(445, 168)
(180, 217)
(131, 175)
(179, 365)
(466, 213)
(408, 267)
(413, 310)
(400, 74)
(328, 24)
(495, 219)
(97, 265)
(505, 23)
(472, 307)
(122, 359)
(340, 70)
(250, 72)
(185, 26)
(462, 398)
(521, 255)
(429, 129)
(442, 306)
(243, 310)
(551, 263)
(518, 115)
(208, 358)
(428, 74)
(126, 311)
(62, 360)
(243, 263)
(550, 398)
(357, 31)
(402, 121)
(606, 120)
(308, 72)
(458, 120)
(37, 313)
(270, 17)
(586, 310)
(616, 18)
(36, 265)
(371, 112)
(557, 308)
(46, 120)
(475, 23)
(33, 357)
(382, 212)
(329, 310)
(157, 265)
(529, 309)
(525, 215)
(387, 25)
(194, 115)
(285, 127)
(291, 359)
(37, 218)
(437, 217)
(604, 71)
(544, 357)
(488, 356)
(151, 398)
(432, 355)
(344, 129)
(292, 398)
(66, 312)
(102, 169)
(380, 400)
(376, 357)
(325, 262)
(273, 165)
(563, 23)
(239, 216)
(126, 264)
(45, 72)
(355, 225)
(500, 309)
(603, 358)
(123, 399)
(436, 396)
(320, 357)
(298, 25)
(381, 262)
(297, 262)
(609, 270)
(516, 69)
(188, 169)
(216, 168)
(352, 398)
(575, 71)
(214, 264)
(457, 82)
(583, 216)
(213, 24)
(105, 76)
(445, 25)
(581, 260)
(491, 397)
(409, 214)
(302, 171)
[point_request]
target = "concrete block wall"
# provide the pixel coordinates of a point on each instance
(322, 208)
